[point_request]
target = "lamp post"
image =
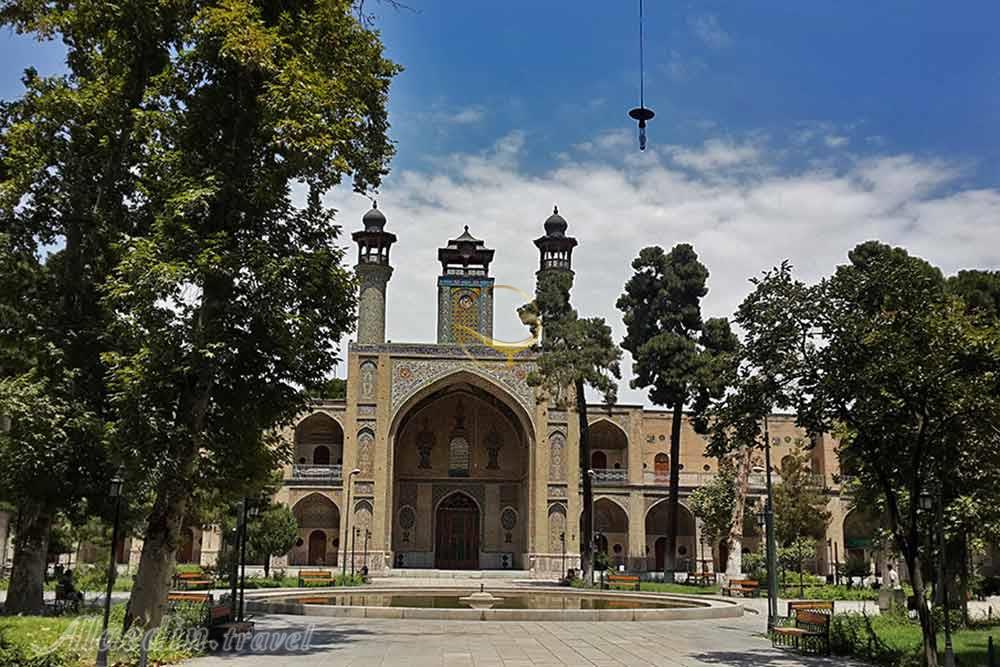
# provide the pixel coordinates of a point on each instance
(234, 570)
(364, 568)
(354, 537)
(772, 581)
(927, 503)
(562, 539)
(250, 510)
(114, 491)
(347, 518)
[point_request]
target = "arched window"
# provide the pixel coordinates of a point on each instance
(661, 466)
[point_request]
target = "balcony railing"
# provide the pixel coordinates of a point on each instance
(610, 476)
(316, 473)
(695, 479)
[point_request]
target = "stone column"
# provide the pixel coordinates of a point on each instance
(636, 531)
(373, 279)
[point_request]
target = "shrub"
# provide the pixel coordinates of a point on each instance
(986, 586)
(854, 635)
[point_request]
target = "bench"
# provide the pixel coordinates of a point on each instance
(629, 580)
(806, 628)
(313, 577)
(187, 581)
(741, 587)
(218, 619)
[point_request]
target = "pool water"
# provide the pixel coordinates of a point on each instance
(511, 600)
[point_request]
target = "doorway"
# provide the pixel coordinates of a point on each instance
(457, 539)
(317, 548)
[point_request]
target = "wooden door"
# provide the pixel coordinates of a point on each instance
(185, 551)
(661, 466)
(661, 552)
(598, 460)
(457, 537)
(317, 548)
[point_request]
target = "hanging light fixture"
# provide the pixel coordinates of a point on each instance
(641, 113)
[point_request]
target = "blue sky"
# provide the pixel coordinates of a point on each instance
(784, 130)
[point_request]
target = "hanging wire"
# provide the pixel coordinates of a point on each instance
(642, 60)
(641, 113)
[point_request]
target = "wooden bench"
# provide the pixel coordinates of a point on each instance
(807, 627)
(187, 581)
(629, 580)
(218, 619)
(313, 577)
(741, 587)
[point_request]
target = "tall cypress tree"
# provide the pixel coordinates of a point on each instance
(674, 352)
(574, 354)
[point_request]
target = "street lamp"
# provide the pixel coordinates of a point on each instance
(251, 510)
(562, 539)
(927, 503)
(364, 568)
(115, 492)
(772, 582)
(354, 537)
(347, 519)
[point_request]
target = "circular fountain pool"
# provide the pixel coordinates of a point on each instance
(514, 604)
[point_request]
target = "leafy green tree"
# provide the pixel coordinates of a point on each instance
(233, 299)
(893, 362)
(793, 556)
(574, 353)
(675, 353)
(66, 155)
(713, 504)
(800, 501)
(273, 533)
(979, 290)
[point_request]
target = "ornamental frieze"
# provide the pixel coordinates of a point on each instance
(411, 375)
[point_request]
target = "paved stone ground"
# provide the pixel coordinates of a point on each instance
(388, 643)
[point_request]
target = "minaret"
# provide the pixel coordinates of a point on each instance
(465, 291)
(555, 248)
(373, 271)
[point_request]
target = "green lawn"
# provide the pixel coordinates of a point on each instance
(657, 587)
(69, 641)
(901, 638)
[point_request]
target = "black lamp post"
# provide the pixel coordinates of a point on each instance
(347, 518)
(562, 539)
(251, 510)
(927, 503)
(114, 491)
(354, 537)
(364, 568)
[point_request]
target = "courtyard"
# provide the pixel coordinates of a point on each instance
(387, 643)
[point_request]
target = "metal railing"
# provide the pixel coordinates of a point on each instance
(317, 473)
(608, 476)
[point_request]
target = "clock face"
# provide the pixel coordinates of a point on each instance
(465, 301)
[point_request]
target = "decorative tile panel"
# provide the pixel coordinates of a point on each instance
(411, 375)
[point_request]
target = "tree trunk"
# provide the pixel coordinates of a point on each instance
(734, 563)
(267, 566)
(670, 557)
(587, 517)
(964, 580)
(25, 594)
(156, 564)
(929, 641)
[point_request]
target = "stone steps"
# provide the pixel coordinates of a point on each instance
(415, 573)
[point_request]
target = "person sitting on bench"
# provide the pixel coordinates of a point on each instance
(66, 592)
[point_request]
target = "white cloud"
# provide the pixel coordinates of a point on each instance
(472, 115)
(617, 201)
(714, 153)
(708, 30)
(836, 140)
(680, 69)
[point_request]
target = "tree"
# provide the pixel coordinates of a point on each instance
(234, 298)
(979, 290)
(574, 353)
(674, 352)
(66, 155)
(800, 502)
(713, 504)
(893, 362)
(272, 533)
